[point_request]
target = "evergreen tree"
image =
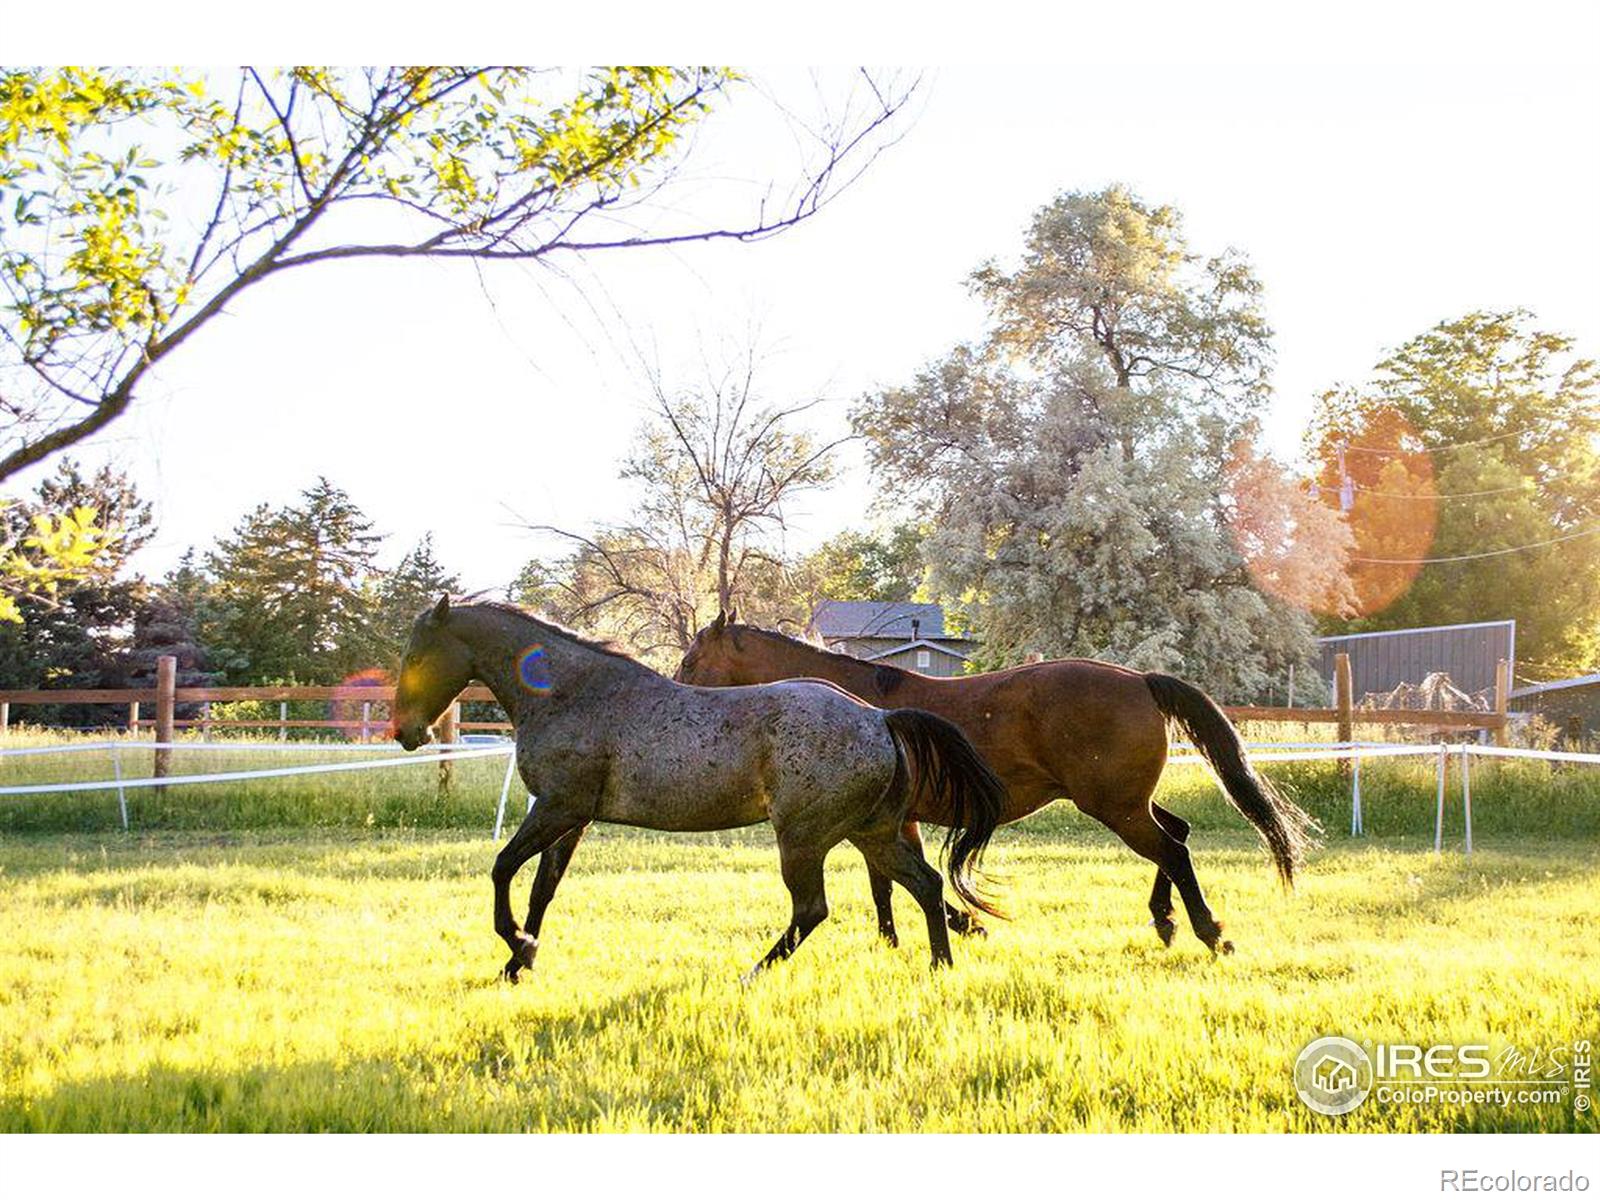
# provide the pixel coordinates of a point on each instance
(168, 623)
(416, 583)
(294, 592)
(75, 637)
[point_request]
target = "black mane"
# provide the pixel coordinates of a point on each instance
(886, 677)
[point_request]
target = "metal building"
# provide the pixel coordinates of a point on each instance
(1380, 662)
(1571, 705)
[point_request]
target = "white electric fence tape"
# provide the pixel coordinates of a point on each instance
(438, 753)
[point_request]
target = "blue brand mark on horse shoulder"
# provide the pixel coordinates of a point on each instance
(533, 668)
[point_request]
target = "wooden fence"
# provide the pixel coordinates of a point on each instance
(166, 696)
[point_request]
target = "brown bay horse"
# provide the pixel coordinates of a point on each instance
(1079, 729)
(601, 737)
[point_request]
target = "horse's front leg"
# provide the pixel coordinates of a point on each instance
(540, 829)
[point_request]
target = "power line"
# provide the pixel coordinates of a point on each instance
(1499, 437)
(1416, 562)
(1366, 491)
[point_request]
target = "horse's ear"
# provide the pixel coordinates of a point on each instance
(733, 616)
(722, 620)
(441, 610)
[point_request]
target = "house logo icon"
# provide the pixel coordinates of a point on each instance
(1333, 1076)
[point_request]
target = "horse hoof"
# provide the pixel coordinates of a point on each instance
(508, 973)
(973, 929)
(1225, 948)
(1165, 930)
(889, 938)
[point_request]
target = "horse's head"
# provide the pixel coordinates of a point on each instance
(712, 659)
(436, 666)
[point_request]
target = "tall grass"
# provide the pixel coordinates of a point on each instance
(300, 980)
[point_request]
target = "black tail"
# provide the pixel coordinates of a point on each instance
(1287, 829)
(958, 781)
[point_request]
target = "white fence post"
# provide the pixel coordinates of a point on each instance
(1438, 820)
(283, 720)
(505, 791)
(1355, 796)
(1466, 796)
(122, 795)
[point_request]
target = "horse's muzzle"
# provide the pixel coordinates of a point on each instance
(410, 739)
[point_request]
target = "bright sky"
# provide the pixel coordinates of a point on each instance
(1381, 177)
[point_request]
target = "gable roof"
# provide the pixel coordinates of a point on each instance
(919, 644)
(877, 619)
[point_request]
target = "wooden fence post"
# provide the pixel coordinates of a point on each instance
(1502, 700)
(446, 729)
(1342, 704)
(166, 684)
(133, 717)
(5, 716)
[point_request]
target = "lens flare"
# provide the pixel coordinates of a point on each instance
(378, 717)
(533, 668)
(1293, 546)
(1393, 507)
(1348, 546)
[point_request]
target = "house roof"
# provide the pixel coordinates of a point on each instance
(877, 619)
(919, 644)
(1557, 685)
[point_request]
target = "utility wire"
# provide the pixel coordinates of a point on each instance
(1499, 437)
(1415, 562)
(1366, 491)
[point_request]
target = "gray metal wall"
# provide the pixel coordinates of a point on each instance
(1380, 662)
(1574, 711)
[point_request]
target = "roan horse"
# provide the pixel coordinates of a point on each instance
(1076, 728)
(601, 737)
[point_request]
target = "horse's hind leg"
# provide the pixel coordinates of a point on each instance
(802, 873)
(959, 919)
(883, 901)
(1138, 827)
(901, 860)
(1161, 893)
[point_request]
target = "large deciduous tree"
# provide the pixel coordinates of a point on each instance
(1080, 468)
(1471, 466)
(136, 205)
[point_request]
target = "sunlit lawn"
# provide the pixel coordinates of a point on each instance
(346, 979)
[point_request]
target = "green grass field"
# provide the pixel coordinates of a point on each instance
(317, 955)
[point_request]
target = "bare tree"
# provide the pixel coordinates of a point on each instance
(717, 469)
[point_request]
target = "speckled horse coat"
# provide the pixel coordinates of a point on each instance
(601, 737)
